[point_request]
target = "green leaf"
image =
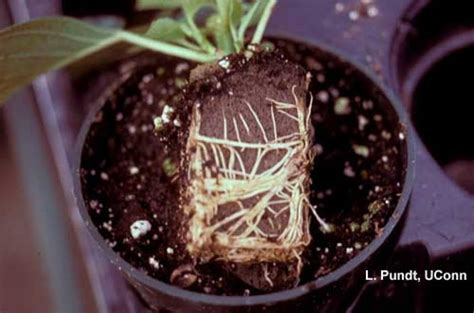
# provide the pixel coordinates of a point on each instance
(170, 30)
(33, 48)
(166, 48)
(251, 18)
(227, 25)
(158, 4)
(30, 49)
(263, 20)
(191, 8)
(261, 5)
(230, 12)
(235, 16)
(166, 29)
(216, 28)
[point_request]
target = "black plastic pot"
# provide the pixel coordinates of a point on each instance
(431, 56)
(330, 293)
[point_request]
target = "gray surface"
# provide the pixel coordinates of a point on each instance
(56, 238)
(368, 41)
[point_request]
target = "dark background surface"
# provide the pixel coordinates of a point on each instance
(421, 49)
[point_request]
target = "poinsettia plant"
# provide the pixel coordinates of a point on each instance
(252, 162)
(38, 46)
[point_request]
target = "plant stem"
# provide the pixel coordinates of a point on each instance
(262, 24)
(198, 36)
(166, 48)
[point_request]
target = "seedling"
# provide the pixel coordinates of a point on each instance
(234, 196)
(33, 48)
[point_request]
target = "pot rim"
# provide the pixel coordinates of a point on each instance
(280, 296)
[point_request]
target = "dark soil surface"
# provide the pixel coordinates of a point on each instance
(129, 173)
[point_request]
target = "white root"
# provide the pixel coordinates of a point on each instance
(280, 189)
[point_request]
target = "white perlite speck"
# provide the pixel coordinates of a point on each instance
(372, 11)
(153, 262)
(93, 204)
(166, 115)
(224, 63)
(339, 7)
(134, 170)
(353, 15)
(140, 228)
(177, 123)
(342, 106)
(107, 226)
